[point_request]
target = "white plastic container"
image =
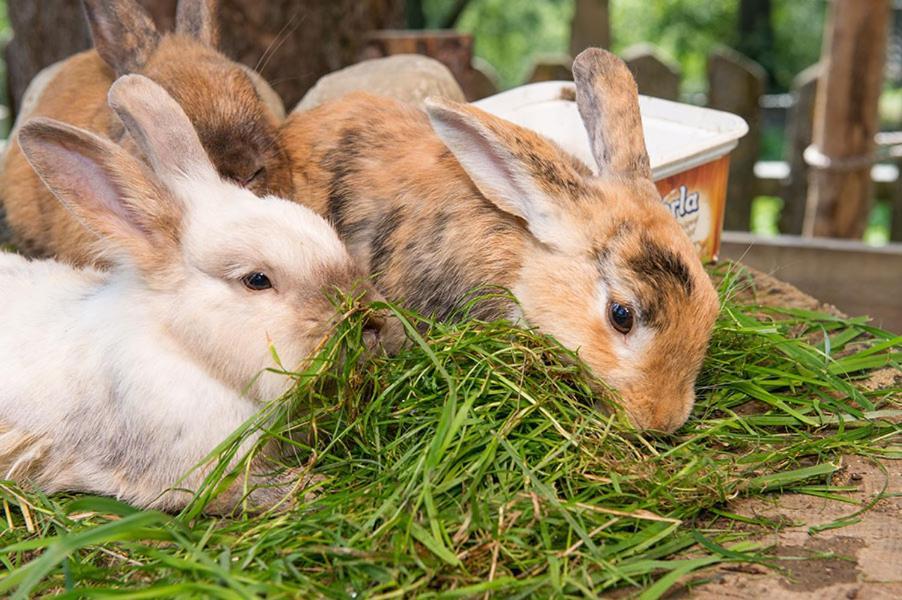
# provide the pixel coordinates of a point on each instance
(688, 147)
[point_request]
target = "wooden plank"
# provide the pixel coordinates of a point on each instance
(735, 83)
(856, 278)
(798, 137)
(845, 121)
(654, 75)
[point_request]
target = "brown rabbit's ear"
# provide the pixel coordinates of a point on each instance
(197, 18)
(109, 191)
(124, 34)
(161, 129)
(501, 162)
(608, 102)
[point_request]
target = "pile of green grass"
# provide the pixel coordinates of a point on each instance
(476, 462)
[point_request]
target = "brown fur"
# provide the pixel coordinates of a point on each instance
(412, 213)
(429, 231)
(235, 125)
(57, 150)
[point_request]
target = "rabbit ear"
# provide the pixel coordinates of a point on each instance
(502, 161)
(608, 102)
(161, 129)
(124, 34)
(197, 18)
(108, 190)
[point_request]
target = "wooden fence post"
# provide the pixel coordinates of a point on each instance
(794, 189)
(551, 68)
(735, 84)
(654, 75)
(845, 120)
(895, 233)
(591, 26)
(481, 80)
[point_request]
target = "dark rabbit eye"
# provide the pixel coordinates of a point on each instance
(621, 317)
(256, 281)
(246, 180)
(257, 174)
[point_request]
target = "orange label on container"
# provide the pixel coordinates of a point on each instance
(696, 199)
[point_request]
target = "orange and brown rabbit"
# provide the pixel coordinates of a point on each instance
(234, 111)
(436, 204)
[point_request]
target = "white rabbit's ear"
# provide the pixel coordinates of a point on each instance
(498, 163)
(161, 129)
(608, 103)
(109, 191)
(197, 18)
(124, 34)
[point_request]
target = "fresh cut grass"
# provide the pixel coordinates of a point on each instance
(477, 462)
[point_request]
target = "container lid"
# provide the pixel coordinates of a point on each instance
(678, 136)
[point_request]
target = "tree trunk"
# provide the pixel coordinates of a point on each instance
(845, 119)
(50, 30)
(756, 34)
(292, 43)
(591, 26)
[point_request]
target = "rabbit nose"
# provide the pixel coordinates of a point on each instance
(383, 332)
(246, 178)
(372, 332)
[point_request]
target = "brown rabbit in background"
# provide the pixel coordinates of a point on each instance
(435, 205)
(234, 111)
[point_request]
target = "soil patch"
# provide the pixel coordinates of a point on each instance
(860, 559)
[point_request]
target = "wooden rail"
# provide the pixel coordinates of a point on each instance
(856, 278)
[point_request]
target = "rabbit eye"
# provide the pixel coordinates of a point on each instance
(257, 175)
(621, 317)
(256, 281)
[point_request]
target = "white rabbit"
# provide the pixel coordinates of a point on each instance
(234, 111)
(119, 382)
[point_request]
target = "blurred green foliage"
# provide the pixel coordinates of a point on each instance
(766, 219)
(510, 35)
(766, 215)
(891, 108)
(879, 221)
(5, 34)
(684, 30)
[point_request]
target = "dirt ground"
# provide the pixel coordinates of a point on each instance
(862, 560)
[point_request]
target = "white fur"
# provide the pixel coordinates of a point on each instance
(230, 227)
(84, 360)
(111, 385)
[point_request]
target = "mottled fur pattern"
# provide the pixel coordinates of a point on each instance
(400, 223)
(119, 382)
(232, 109)
(435, 205)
